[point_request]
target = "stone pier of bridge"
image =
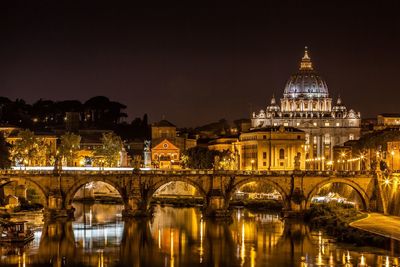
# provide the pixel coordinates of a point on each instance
(216, 187)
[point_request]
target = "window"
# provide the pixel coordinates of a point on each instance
(285, 124)
(264, 137)
(298, 124)
(264, 155)
(351, 137)
(264, 164)
(326, 123)
(281, 153)
(315, 124)
(337, 124)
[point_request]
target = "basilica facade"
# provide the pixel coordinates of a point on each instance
(306, 105)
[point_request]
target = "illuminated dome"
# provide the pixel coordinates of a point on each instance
(306, 82)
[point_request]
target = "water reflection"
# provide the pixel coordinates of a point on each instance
(181, 237)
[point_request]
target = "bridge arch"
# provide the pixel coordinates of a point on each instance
(164, 181)
(82, 181)
(43, 191)
(356, 187)
(269, 181)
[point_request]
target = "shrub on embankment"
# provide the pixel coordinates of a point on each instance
(178, 202)
(258, 205)
(334, 219)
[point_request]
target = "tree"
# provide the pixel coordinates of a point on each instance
(25, 149)
(68, 150)
(199, 158)
(108, 154)
(5, 161)
(104, 112)
(43, 155)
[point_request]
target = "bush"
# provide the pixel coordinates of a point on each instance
(335, 220)
(25, 205)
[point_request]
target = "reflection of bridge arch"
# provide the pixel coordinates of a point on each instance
(268, 181)
(356, 187)
(83, 181)
(162, 182)
(36, 185)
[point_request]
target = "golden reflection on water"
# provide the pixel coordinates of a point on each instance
(182, 237)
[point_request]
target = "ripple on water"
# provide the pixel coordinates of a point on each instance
(182, 237)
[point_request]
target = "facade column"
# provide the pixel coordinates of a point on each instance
(323, 152)
(319, 152)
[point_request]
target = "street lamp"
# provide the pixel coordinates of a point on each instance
(252, 164)
(361, 161)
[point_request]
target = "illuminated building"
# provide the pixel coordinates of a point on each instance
(272, 148)
(165, 155)
(387, 120)
(223, 143)
(167, 145)
(306, 105)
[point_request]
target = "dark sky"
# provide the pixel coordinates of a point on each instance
(199, 64)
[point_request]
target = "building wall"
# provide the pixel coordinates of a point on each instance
(163, 132)
(165, 155)
(388, 121)
(264, 150)
(393, 155)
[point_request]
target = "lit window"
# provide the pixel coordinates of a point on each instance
(326, 123)
(281, 153)
(297, 124)
(337, 124)
(315, 124)
(351, 137)
(285, 124)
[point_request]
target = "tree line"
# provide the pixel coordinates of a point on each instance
(98, 112)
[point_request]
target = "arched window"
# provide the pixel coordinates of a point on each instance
(281, 153)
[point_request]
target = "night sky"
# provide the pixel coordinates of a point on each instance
(196, 65)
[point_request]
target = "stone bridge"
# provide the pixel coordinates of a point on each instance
(138, 187)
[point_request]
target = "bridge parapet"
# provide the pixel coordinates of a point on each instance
(185, 172)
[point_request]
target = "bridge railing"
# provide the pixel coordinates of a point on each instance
(125, 171)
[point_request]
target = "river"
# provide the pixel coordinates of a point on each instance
(181, 237)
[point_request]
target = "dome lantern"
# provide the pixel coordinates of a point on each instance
(306, 63)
